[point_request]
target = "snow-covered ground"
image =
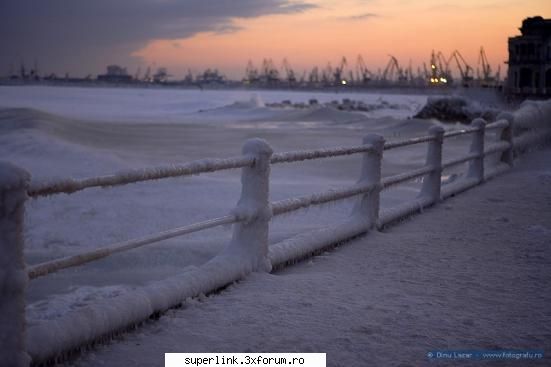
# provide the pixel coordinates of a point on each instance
(79, 132)
(472, 273)
(175, 105)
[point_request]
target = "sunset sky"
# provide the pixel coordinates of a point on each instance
(82, 36)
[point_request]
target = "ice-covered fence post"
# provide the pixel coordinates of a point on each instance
(476, 166)
(368, 207)
(507, 135)
(432, 183)
(250, 236)
(13, 277)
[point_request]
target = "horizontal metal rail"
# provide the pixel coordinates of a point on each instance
(406, 142)
(302, 155)
(463, 159)
(469, 130)
(48, 267)
(69, 186)
(403, 177)
(289, 205)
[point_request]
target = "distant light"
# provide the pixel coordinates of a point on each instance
(433, 66)
(343, 82)
(443, 80)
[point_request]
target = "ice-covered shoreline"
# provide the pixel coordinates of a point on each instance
(162, 105)
(54, 144)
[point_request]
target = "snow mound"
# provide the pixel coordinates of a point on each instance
(325, 113)
(347, 104)
(21, 118)
(254, 102)
(455, 109)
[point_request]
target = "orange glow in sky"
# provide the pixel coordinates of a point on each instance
(408, 30)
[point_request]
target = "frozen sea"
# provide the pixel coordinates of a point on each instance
(70, 132)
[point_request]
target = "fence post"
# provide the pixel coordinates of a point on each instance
(507, 135)
(368, 207)
(250, 236)
(476, 166)
(13, 277)
(432, 182)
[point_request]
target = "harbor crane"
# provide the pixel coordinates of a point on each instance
(486, 68)
(364, 75)
(291, 77)
(465, 69)
(327, 74)
(393, 71)
(302, 79)
(251, 73)
(189, 77)
(409, 72)
(314, 76)
(439, 69)
(147, 75)
(338, 73)
(269, 73)
(443, 64)
(426, 71)
(486, 78)
(161, 76)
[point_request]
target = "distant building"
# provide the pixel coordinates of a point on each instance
(530, 59)
(115, 74)
(210, 76)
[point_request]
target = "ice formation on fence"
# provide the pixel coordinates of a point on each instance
(250, 236)
(292, 204)
(100, 253)
(50, 338)
(306, 244)
(406, 176)
(13, 278)
(406, 142)
(70, 186)
(303, 155)
(248, 249)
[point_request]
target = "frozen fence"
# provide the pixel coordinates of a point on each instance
(69, 186)
(248, 249)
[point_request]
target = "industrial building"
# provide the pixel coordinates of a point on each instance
(115, 74)
(530, 59)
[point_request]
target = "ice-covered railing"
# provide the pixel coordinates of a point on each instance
(69, 186)
(22, 343)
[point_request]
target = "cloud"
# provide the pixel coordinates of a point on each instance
(89, 33)
(359, 17)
